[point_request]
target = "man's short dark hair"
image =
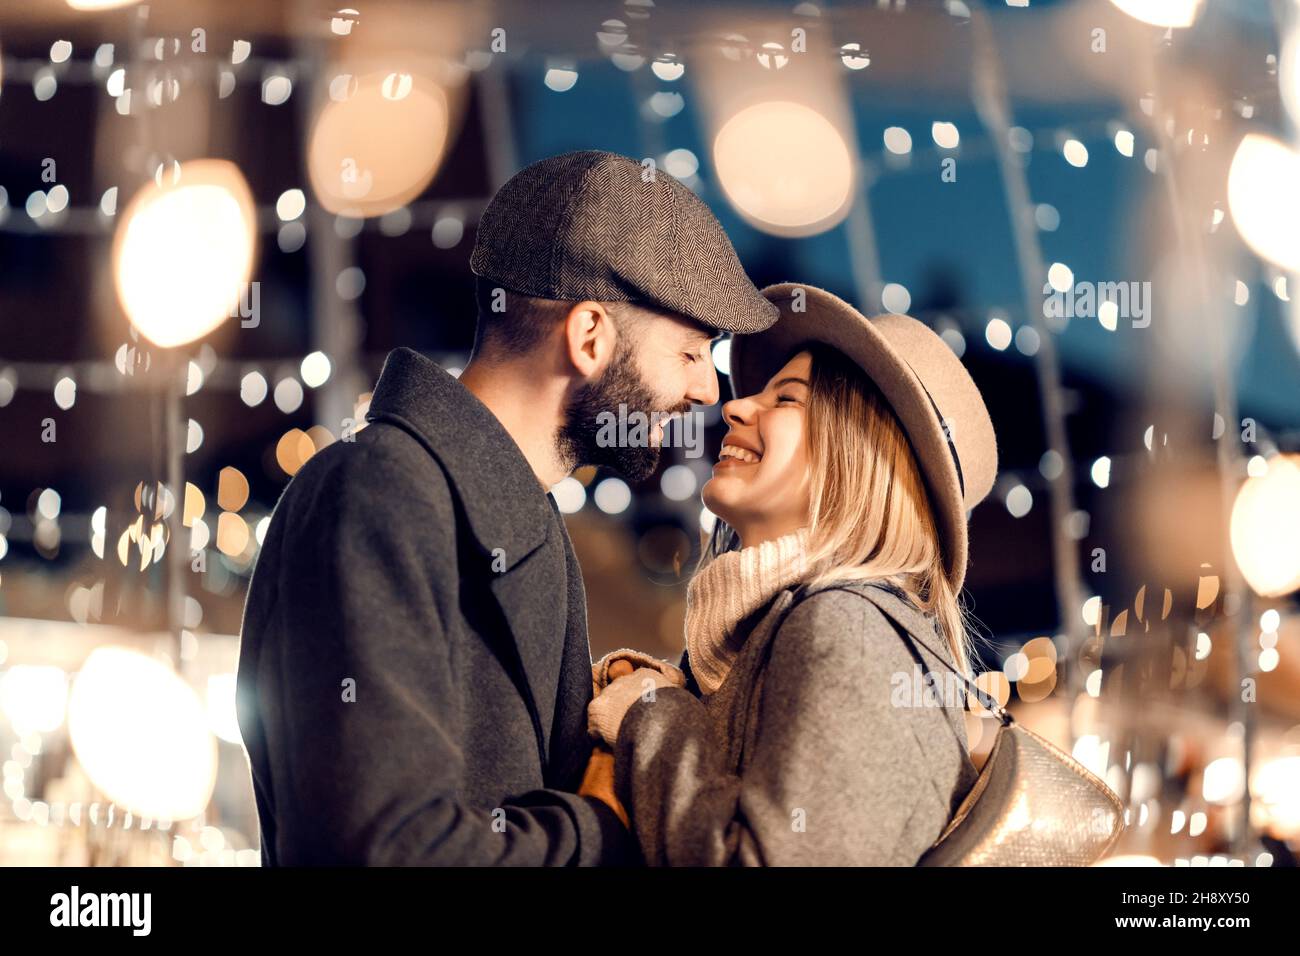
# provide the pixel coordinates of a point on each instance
(511, 324)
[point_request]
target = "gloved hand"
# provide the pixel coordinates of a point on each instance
(600, 676)
(605, 713)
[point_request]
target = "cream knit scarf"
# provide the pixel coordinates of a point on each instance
(726, 591)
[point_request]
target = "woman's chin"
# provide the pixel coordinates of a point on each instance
(716, 499)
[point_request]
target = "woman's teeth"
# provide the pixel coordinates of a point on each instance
(740, 454)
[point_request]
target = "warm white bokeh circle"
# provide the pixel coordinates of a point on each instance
(141, 734)
(1162, 13)
(785, 167)
(1264, 197)
(183, 252)
(1265, 528)
(378, 146)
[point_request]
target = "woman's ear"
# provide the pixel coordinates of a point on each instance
(589, 338)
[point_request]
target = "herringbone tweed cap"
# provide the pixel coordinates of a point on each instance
(588, 225)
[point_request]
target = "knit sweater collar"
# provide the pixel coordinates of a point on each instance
(726, 591)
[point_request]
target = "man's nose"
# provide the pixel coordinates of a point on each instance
(704, 389)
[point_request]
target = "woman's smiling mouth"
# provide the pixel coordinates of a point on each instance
(735, 455)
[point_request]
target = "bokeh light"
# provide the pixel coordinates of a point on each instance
(785, 168)
(182, 252)
(141, 734)
(377, 148)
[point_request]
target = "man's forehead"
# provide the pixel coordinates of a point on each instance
(692, 328)
(687, 326)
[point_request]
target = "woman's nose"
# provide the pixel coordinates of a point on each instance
(738, 411)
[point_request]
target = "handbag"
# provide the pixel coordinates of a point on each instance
(1032, 805)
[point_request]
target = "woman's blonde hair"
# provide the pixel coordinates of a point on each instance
(870, 514)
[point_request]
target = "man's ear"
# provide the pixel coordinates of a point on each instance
(589, 338)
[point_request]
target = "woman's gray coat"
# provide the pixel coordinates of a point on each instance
(816, 750)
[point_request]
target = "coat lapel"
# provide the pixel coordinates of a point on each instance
(532, 600)
(569, 746)
(510, 517)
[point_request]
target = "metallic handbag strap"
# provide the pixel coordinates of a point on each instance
(992, 706)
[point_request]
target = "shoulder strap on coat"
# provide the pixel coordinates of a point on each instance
(908, 638)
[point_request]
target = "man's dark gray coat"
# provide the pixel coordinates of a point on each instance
(414, 669)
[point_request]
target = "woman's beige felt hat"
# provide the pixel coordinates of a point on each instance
(930, 390)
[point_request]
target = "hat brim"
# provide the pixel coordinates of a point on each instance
(830, 320)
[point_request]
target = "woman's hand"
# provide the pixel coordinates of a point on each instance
(598, 781)
(622, 662)
(606, 711)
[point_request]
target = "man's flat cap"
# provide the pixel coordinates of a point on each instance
(590, 225)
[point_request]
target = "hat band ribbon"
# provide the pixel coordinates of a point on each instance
(943, 424)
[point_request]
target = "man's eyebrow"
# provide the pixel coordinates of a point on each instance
(701, 337)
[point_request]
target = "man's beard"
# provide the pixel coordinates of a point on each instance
(620, 384)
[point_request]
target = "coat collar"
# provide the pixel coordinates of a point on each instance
(505, 504)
